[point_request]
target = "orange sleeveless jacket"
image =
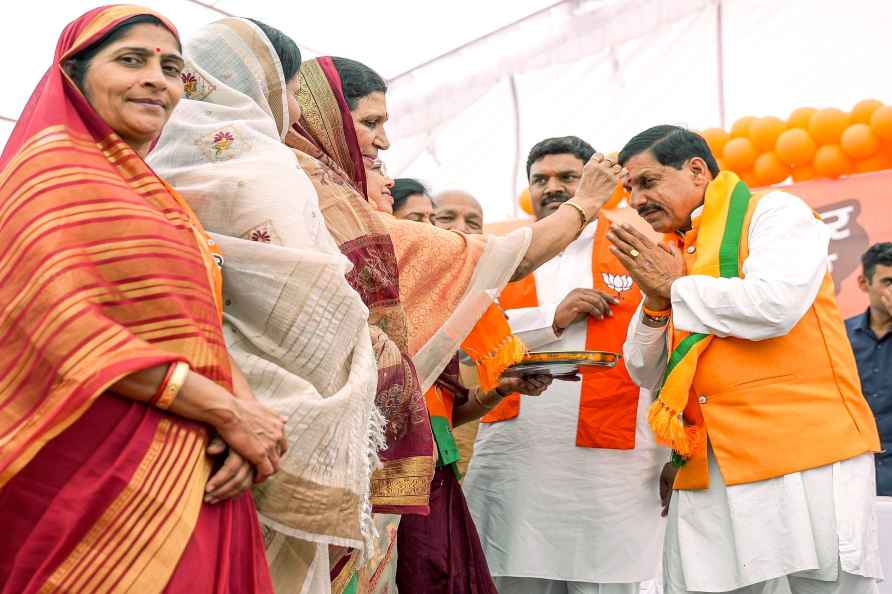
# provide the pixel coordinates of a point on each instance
(782, 405)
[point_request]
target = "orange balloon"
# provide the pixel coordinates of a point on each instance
(800, 117)
(770, 170)
(826, 125)
(741, 128)
(831, 161)
(859, 141)
(749, 178)
(739, 154)
(716, 138)
(618, 194)
(795, 147)
(526, 201)
(878, 162)
(721, 163)
(864, 109)
(804, 173)
(881, 122)
(764, 132)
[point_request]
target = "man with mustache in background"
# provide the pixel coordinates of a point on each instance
(564, 488)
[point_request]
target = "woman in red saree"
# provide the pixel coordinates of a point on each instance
(112, 360)
(445, 284)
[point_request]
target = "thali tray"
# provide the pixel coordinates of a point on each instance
(557, 363)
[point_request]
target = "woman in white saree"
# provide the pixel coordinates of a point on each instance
(292, 322)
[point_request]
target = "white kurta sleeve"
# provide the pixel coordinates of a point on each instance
(645, 352)
(533, 325)
(782, 275)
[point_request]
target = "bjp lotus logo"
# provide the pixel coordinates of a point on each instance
(618, 282)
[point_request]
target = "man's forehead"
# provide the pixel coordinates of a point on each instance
(457, 200)
(560, 162)
(642, 161)
(642, 164)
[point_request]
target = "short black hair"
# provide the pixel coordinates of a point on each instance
(562, 145)
(403, 187)
(286, 49)
(357, 80)
(77, 65)
(879, 253)
(671, 146)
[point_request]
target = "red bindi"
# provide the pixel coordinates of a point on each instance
(157, 50)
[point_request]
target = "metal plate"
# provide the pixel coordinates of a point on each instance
(558, 363)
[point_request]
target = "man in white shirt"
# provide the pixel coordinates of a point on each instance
(566, 500)
(761, 401)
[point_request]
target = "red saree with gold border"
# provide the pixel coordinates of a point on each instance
(104, 271)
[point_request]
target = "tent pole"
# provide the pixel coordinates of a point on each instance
(474, 41)
(516, 104)
(720, 59)
(210, 6)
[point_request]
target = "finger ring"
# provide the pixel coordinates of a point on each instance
(634, 253)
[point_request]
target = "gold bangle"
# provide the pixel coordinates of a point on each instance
(174, 385)
(476, 395)
(582, 216)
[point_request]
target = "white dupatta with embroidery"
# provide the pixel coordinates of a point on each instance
(293, 325)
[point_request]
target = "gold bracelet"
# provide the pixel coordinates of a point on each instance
(174, 384)
(583, 219)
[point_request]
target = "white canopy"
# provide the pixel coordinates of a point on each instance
(607, 70)
(512, 73)
(391, 36)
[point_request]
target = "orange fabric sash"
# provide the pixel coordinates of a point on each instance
(440, 403)
(608, 405)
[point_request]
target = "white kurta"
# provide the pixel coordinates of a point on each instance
(545, 508)
(812, 524)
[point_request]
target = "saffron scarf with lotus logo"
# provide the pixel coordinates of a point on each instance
(608, 405)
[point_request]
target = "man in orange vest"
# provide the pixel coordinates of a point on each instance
(757, 391)
(564, 487)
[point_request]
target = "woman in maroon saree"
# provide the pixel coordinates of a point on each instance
(444, 283)
(112, 362)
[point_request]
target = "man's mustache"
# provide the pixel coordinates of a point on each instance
(555, 197)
